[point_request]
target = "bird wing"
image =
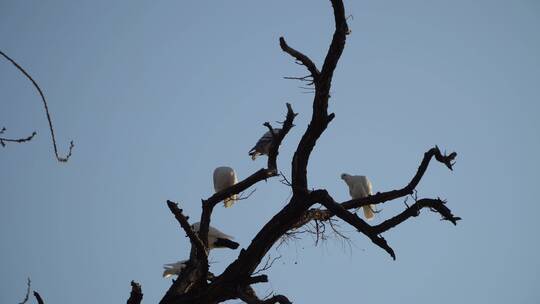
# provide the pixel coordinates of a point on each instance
(359, 186)
(224, 177)
(215, 233)
(263, 144)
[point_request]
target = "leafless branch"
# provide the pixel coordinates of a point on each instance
(136, 295)
(382, 197)
(307, 78)
(38, 298)
(28, 283)
(247, 294)
(3, 140)
(243, 196)
(268, 264)
(303, 59)
(234, 281)
(262, 174)
(436, 205)
(326, 200)
(193, 237)
(71, 145)
(284, 180)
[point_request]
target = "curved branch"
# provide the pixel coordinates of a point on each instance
(382, 197)
(326, 200)
(247, 294)
(38, 298)
(308, 63)
(71, 145)
(320, 117)
(28, 285)
(209, 204)
(437, 205)
(379, 198)
(3, 140)
(338, 42)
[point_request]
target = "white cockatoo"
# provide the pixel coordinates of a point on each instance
(262, 147)
(224, 177)
(174, 268)
(216, 238)
(360, 187)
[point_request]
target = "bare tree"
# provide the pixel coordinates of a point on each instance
(196, 284)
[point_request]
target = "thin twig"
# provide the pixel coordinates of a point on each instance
(71, 145)
(3, 140)
(28, 283)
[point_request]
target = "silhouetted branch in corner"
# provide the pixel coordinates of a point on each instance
(49, 119)
(136, 295)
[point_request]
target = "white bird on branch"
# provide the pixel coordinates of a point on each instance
(224, 177)
(262, 147)
(216, 238)
(174, 268)
(360, 187)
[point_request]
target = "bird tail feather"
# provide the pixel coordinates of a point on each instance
(368, 212)
(168, 273)
(228, 202)
(220, 243)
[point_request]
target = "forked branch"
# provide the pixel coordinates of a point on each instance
(326, 200)
(262, 174)
(447, 160)
(247, 294)
(436, 205)
(303, 59)
(235, 280)
(193, 237)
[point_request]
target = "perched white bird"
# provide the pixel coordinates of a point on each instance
(216, 238)
(224, 177)
(360, 187)
(174, 268)
(262, 147)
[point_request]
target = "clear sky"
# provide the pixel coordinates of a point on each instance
(156, 94)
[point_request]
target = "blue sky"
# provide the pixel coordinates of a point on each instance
(157, 94)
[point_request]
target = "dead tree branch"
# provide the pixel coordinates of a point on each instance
(247, 294)
(436, 205)
(193, 237)
(27, 295)
(262, 174)
(38, 298)
(382, 197)
(3, 140)
(136, 295)
(49, 119)
(447, 160)
(235, 281)
(303, 59)
(326, 200)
